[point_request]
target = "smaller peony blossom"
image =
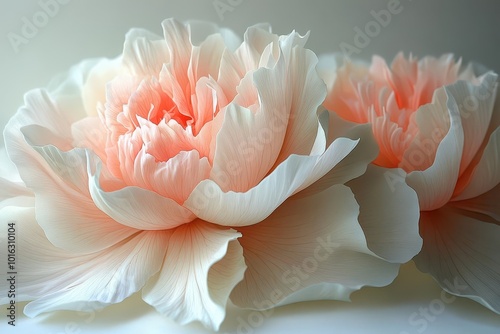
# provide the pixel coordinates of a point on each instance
(439, 123)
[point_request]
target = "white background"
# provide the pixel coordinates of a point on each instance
(94, 28)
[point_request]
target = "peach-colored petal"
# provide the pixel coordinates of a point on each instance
(207, 102)
(155, 137)
(392, 140)
(144, 53)
(305, 93)
(114, 114)
(431, 123)
(175, 178)
(205, 59)
(137, 207)
(283, 123)
(435, 185)
(230, 74)
(248, 143)
(434, 73)
(179, 48)
(90, 133)
(256, 40)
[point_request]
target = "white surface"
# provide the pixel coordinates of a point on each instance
(82, 29)
(412, 304)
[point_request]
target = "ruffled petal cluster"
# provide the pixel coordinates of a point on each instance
(440, 123)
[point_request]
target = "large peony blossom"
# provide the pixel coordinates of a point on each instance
(437, 121)
(195, 167)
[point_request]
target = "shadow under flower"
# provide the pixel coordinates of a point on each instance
(389, 309)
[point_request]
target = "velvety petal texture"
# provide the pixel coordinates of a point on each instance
(203, 263)
(439, 123)
(201, 168)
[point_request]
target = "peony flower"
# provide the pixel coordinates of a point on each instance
(437, 122)
(195, 167)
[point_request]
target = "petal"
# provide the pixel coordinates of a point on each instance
(200, 30)
(435, 185)
(155, 137)
(205, 59)
(486, 174)
(175, 178)
(67, 92)
(355, 163)
(90, 133)
(179, 48)
(431, 123)
(343, 94)
(13, 191)
(8, 169)
(486, 203)
(309, 249)
(136, 207)
(94, 88)
(209, 202)
(60, 182)
(260, 49)
(61, 280)
(255, 41)
(15, 194)
(42, 111)
(393, 141)
(306, 91)
(389, 219)
(202, 265)
(476, 105)
(144, 53)
(231, 72)
(285, 122)
(249, 143)
(207, 102)
(461, 252)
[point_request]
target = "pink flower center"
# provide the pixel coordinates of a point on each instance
(389, 98)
